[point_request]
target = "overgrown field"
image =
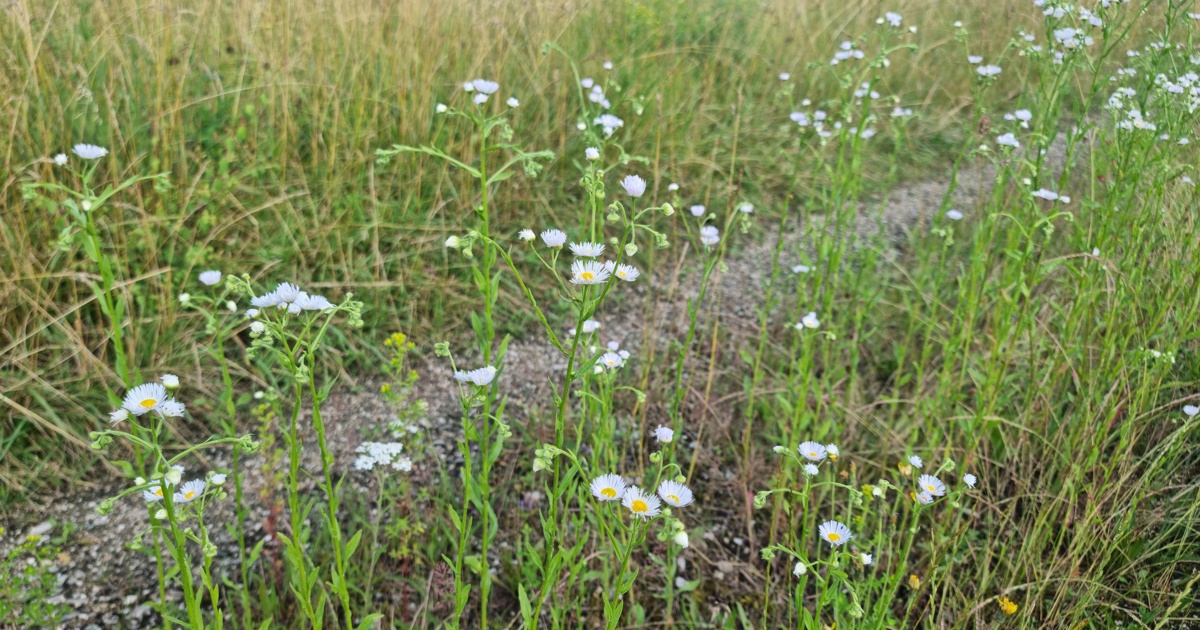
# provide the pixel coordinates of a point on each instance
(709, 314)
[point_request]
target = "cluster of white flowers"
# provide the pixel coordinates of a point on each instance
(810, 320)
(612, 487)
(149, 397)
(595, 93)
(609, 123)
(483, 89)
(374, 455)
(710, 235)
(846, 51)
(1008, 140)
(290, 297)
(1050, 195)
(1022, 115)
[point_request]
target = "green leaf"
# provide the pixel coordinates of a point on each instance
(526, 608)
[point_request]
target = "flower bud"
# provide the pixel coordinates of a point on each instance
(681, 539)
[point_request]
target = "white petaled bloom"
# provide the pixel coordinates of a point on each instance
(988, 70)
(218, 479)
(554, 238)
(970, 480)
(258, 328)
(184, 298)
(834, 451)
(664, 434)
(608, 65)
(611, 360)
(481, 376)
(801, 269)
(672, 187)
(592, 153)
(485, 86)
(608, 487)
(697, 210)
(1048, 195)
(634, 185)
(152, 494)
(811, 470)
(468, 87)
(170, 381)
(746, 208)
(893, 18)
(835, 533)
(286, 293)
(640, 503)
(608, 122)
(118, 416)
(809, 321)
(441, 108)
(812, 451)
(710, 235)
(924, 498)
(314, 303)
(784, 76)
(190, 491)
(867, 559)
(974, 59)
(1191, 410)
(587, 249)
(588, 272)
(513, 102)
(916, 461)
(61, 159)
(144, 397)
(1008, 140)
(587, 83)
(374, 455)
(675, 493)
(932, 485)
(89, 151)
(799, 569)
(680, 538)
(210, 277)
(628, 273)
(171, 408)
(526, 235)
(480, 98)
(954, 215)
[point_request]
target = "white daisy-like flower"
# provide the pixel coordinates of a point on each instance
(190, 491)
(974, 59)
(784, 76)
(554, 238)
(485, 86)
(608, 487)
(988, 70)
(801, 269)
(210, 277)
(257, 328)
(171, 408)
(867, 559)
(675, 493)
(526, 235)
(592, 153)
(481, 376)
(608, 65)
(468, 87)
(184, 298)
(833, 451)
(664, 434)
(809, 321)
(441, 108)
(697, 210)
(932, 485)
(746, 208)
(923, 497)
(513, 102)
(710, 235)
(587, 83)
(954, 215)
(812, 451)
(118, 416)
(589, 272)
(611, 360)
(1191, 410)
(89, 151)
(811, 470)
(1048, 195)
(61, 159)
(587, 249)
(916, 461)
(970, 480)
(628, 273)
(144, 397)
(218, 479)
(287, 293)
(835, 533)
(672, 187)
(1008, 140)
(589, 326)
(152, 494)
(608, 122)
(313, 302)
(893, 18)
(640, 503)
(265, 300)
(480, 98)
(634, 185)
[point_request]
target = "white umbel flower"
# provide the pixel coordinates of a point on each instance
(932, 485)
(144, 397)
(210, 277)
(813, 451)
(589, 272)
(482, 376)
(89, 151)
(675, 493)
(608, 487)
(835, 533)
(190, 491)
(554, 238)
(628, 273)
(634, 185)
(587, 249)
(640, 503)
(664, 434)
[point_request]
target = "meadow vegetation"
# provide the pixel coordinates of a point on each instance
(215, 215)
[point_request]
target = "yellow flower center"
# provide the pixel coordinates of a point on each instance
(930, 487)
(673, 498)
(587, 275)
(189, 494)
(812, 453)
(609, 493)
(621, 274)
(148, 403)
(158, 492)
(639, 506)
(833, 537)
